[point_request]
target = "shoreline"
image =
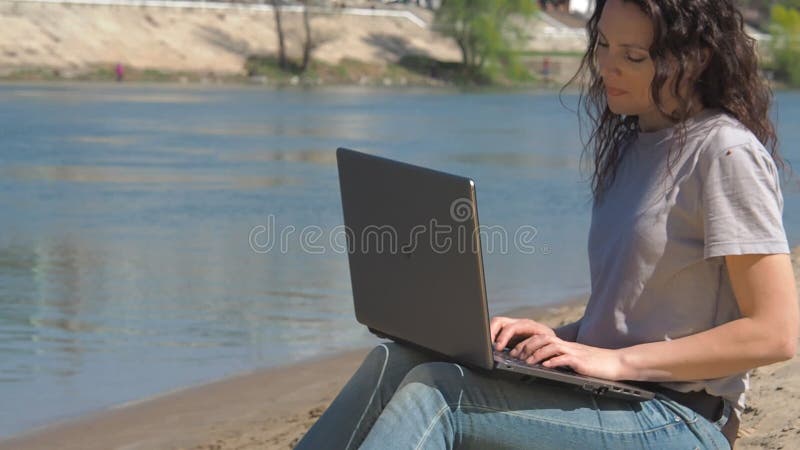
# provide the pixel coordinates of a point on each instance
(151, 422)
(199, 86)
(256, 82)
(177, 419)
(346, 73)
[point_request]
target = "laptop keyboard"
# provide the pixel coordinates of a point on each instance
(630, 392)
(508, 359)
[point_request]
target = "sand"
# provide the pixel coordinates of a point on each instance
(271, 409)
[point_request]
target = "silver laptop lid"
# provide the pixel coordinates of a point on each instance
(414, 255)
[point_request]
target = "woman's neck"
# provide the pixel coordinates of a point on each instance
(656, 120)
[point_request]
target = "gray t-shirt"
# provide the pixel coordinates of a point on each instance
(657, 245)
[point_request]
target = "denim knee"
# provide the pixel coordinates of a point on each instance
(447, 378)
(379, 353)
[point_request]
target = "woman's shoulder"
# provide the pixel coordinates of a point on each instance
(722, 132)
(731, 151)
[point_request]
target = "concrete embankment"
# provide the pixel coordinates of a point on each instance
(69, 37)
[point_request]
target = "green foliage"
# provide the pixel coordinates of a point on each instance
(785, 46)
(793, 4)
(488, 32)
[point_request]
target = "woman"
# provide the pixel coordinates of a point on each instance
(692, 284)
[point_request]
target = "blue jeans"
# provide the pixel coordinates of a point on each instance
(401, 398)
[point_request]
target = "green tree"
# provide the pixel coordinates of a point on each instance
(793, 4)
(785, 46)
(488, 32)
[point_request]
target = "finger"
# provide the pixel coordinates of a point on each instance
(560, 361)
(540, 328)
(495, 325)
(545, 352)
(505, 335)
(533, 344)
(524, 348)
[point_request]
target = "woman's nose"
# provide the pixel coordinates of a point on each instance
(607, 65)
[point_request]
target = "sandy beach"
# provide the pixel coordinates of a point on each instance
(271, 409)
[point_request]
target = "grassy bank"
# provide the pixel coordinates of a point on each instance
(410, 70)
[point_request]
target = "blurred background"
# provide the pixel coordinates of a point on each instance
(144, 141)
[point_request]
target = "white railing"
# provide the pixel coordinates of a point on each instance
(555, 28)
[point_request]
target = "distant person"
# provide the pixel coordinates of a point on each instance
(546, 68)
(691, 280)
(120, 71)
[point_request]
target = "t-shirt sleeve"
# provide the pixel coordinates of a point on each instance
(742, 203)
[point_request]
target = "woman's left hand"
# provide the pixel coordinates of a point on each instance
(586, 360)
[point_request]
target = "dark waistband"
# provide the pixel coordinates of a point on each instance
(709, 406)
(701, 402)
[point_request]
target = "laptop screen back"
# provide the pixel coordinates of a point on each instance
(414, 255)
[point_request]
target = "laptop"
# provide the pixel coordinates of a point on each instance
(416, 268)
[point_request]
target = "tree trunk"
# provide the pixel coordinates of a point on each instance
(279, 28)
(462, 39)
(464, 56)
(308, 44)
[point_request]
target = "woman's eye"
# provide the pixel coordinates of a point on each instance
(635, 60)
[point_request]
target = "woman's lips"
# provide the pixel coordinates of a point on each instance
(614, 92)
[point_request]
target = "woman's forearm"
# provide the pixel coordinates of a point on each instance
(730, 348)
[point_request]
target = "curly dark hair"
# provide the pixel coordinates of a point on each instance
(683, 30)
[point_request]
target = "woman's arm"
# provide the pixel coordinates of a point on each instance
(765, 290)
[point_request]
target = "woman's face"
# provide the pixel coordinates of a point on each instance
(625, 34)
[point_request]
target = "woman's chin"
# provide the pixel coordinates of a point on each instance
(615, 107)
(620, 110)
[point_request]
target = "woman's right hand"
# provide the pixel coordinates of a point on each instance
(508, 330)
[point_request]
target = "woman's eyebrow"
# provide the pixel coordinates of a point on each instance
(638, 47)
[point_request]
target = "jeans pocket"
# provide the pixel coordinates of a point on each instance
(710, 433)
(680, 411)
